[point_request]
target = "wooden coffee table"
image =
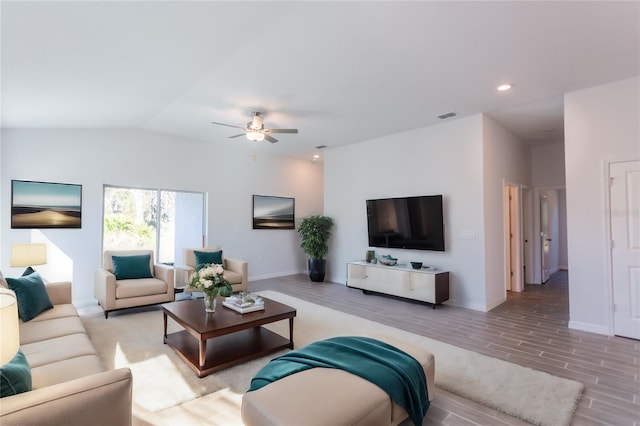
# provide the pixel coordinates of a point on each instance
(235, 338)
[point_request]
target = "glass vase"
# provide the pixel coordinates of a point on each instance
(209, 303)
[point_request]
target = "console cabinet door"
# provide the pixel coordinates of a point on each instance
(356, 275)
(422, 287)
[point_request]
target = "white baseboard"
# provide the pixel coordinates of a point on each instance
(499, 302)
(591, 328)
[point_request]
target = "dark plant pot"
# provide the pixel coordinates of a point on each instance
(316, 269)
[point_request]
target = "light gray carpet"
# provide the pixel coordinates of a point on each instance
(162, 380)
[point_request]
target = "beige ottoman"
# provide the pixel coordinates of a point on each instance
(327, 396)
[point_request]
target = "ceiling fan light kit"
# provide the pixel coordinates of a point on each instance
(255, 136)
(255, 130)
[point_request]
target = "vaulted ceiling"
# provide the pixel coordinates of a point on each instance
(340, 72)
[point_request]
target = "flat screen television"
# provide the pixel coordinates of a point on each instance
(408, 223)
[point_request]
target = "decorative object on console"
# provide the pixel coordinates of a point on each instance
(45, 205)
(271, 212)
(388, 260)
(210, 280)
(315, 232)
(371, 254)
(416, 265)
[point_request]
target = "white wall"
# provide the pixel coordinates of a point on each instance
(601, 124)
(140, 158)
(505, 160)
(547, 166)
(442, 159)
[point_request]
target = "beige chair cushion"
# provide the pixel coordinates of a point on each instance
(139, 287)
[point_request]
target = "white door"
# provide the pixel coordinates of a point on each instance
(545, 236)
(625, 251)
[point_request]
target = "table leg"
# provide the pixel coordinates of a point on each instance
(291, 332)
(164, 317)
(202, 351)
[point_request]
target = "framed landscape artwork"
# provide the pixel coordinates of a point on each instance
(273, 212)
(45, 205)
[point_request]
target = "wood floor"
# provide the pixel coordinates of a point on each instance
(530, 329)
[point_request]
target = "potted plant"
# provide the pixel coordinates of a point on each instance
(315, 232)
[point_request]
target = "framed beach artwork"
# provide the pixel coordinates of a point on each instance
(45, 205)
(271, 212)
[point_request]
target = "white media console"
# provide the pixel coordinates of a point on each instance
(426, 284)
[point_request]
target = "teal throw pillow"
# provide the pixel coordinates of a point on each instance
(32, 295)
(28, 271)
(15, 376)
(131, 267)
(205, 257)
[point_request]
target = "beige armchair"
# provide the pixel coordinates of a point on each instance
(235, 270)
(114, 294)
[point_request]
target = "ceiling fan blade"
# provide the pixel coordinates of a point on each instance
(281, 130)
(236, 136)
(270, 139)
(228, 125)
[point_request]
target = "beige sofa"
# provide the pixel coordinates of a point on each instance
(235, 270)
(115, 294)
(70, 385)
(331, 397)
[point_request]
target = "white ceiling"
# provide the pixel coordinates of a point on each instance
(341, 72)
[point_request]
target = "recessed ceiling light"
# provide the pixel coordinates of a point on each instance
(504, 87)
(316, 156)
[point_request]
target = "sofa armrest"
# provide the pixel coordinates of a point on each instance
(239, 266)
(98, 399)
(59, 293)
(164, 273)
(104, 289)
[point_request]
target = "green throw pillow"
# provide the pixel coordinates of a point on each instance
(205, 257)
(15, 376)
(131, 267)
(32, 295)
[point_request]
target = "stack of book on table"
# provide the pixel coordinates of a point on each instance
(243, 304)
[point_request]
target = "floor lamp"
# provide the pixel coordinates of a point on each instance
(28, 254)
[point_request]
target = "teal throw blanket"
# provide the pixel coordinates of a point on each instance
(394, 371)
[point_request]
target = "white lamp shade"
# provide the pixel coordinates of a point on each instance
(28, 254)
(255, 136)
(9, 325)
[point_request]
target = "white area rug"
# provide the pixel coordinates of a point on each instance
(162, 379)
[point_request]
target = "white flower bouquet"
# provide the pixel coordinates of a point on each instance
(210, 280)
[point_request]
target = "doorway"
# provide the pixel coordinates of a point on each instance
(624, 220)
(514, 267)
(550, 252)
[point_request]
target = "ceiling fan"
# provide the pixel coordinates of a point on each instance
(255, 130)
